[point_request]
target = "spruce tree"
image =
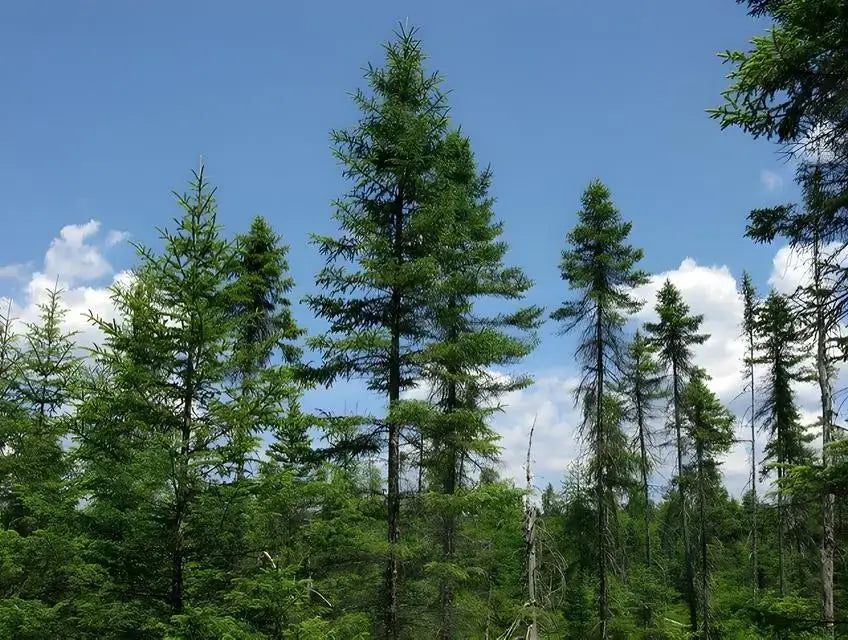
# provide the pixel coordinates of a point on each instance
(261, 309)
(466, 346)
(380, 271)
(674, 334)
(709, 429)
(749, 315)
(778, 351)
(642, 388)
(819, 308)
(46, 386)
(601, 268)
(168, 415)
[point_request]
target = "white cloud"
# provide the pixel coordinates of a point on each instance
(771, 180)
(550, 403)
(75, 263)
(116, 237)
(16, 271)
(712, 292)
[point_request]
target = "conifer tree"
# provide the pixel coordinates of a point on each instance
(168, 416)
(46, 385)
(674, 334)
(466, 344)
(262, 311)
(9, 406)
(749, 315)
(778, 351)
(600, 267)
(642, 387)
(709, 428)
(819, 307)
(380, 271)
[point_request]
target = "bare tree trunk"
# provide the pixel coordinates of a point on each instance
(530, 540)
(687, 549)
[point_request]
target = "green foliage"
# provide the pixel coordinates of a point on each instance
(601, 268)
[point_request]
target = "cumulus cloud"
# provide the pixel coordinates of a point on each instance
(550, 404)
(74, 262)
(771, 180)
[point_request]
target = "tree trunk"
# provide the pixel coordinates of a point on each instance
(530, 540)
(754, 561)
(640, 420)
(687, 550)
(603, 606)
(705, 593)
(180, 492)
(393, 497)
(828, 541)
(781, 567)
(449, 538)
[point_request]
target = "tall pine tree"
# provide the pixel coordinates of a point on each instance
(709, 429)
(466, 346)
(601, 268)
(643, 387)
(674, 334)
(749, 316)
(380, 271)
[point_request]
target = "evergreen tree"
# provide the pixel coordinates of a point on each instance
(674, 334)
(709, 428)
(601, 268)
(642, 388)
(778, 351)
(466, 346)
(45, 387)
(819, 307)
(381, 269)
(166, 414)
(788, 87)
(260, 307)
(749, 316)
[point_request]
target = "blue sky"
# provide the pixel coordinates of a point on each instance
(107, 106)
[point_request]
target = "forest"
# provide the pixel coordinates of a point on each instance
(168, 482)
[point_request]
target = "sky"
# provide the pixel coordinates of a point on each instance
(107, 107)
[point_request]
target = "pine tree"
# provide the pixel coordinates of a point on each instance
(381, 269)
(709, 428)
(749, 315)
(777, 346)
(46, 387)
(10, 409)
(166, 414)
(600, 267)
(260, 307)
(819, 307)
(642, 387)
(466, 345)
(674, 334)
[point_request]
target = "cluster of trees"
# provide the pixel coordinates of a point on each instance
(167, 483)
